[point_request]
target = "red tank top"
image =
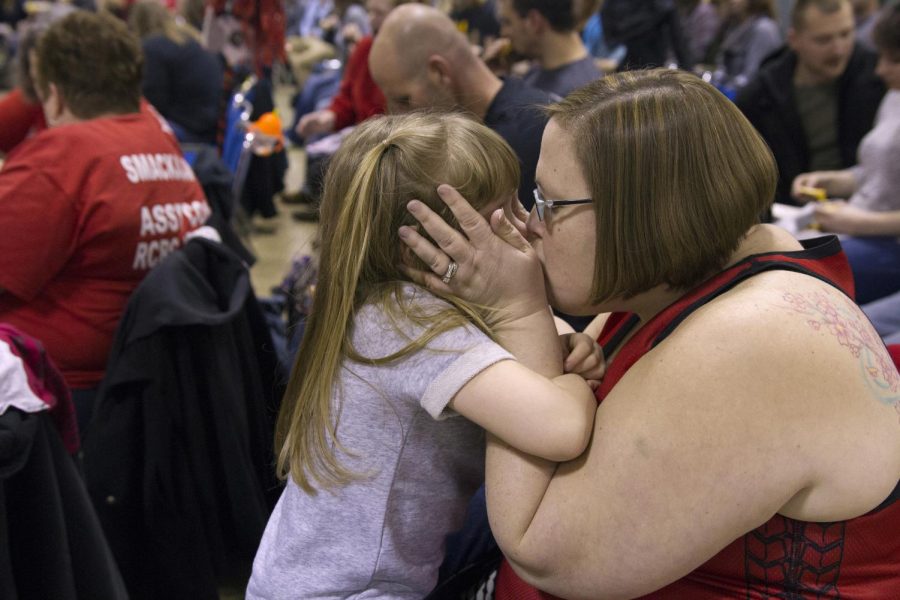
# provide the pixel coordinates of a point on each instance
(857, 559)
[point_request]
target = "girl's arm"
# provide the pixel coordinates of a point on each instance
(530, 404)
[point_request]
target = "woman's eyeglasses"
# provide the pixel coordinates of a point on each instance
(543, 206)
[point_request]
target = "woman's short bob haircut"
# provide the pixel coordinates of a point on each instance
(677, 175)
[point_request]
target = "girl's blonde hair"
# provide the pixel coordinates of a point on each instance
(380, 167)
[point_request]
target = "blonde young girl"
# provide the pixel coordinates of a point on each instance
(380, 463)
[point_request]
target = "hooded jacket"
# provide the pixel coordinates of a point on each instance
(178, 456)
(769, 104)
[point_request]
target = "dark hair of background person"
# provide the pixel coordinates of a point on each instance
(761, 7)
(28, 39)
(706, 185)
(798, 13)
(584, 10)
(192, 11)
(95, 63)
(559, 13)
(886, 34)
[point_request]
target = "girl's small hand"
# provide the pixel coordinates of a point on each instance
(583, 356)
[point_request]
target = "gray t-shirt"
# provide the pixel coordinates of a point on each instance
(878, 166)
(382, 536)
(817, 106)
(564, 79)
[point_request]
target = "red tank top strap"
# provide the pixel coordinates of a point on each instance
(821, 258)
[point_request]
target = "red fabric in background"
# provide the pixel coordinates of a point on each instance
(45, 382)
(264, 24)
(18, 119)
(359, 96)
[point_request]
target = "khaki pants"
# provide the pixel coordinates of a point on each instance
(304, 53)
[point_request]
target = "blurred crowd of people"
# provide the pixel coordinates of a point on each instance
(129, 128)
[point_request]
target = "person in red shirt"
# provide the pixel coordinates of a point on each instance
(358, 98)
(90, 204)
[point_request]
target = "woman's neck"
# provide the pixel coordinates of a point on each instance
(758, 239)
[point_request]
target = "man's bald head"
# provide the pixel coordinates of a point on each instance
(413, 32)
(416, 57)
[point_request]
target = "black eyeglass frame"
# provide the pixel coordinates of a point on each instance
(543, 206)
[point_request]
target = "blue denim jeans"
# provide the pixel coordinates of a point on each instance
(875, 262)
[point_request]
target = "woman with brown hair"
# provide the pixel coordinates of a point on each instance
(747, 441)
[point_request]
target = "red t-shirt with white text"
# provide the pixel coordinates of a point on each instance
(85, 211)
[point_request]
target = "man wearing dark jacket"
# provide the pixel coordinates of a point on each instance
(815, 100)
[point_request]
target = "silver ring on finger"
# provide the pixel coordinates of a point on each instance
(451, 271)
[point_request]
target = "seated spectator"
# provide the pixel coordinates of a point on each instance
(342, 29)
(92, 203)
(606, 58)
(649, 29)
(477, 20)
(20, 110)
(358, 98)
(347, 23)
(872, 187)
(814, 101)
(750, 35)
(546, 31)
(182, 80)
(191, 12)
(421, 61)
(327, 29)
(700, 22)
(304, 37)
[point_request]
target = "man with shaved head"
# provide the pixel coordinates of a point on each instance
(421, 60)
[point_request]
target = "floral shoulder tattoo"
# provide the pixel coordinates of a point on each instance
(842, 319)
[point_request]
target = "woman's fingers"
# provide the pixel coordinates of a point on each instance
(470, 220)
(449, 240)
(508, 232)
(426, 279)
(436, 259)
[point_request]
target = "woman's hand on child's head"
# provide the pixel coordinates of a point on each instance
(495, 264)
(583, 356)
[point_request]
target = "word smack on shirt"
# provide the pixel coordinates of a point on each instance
(156, 167)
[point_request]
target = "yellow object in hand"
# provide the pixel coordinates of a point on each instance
(816, 193)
